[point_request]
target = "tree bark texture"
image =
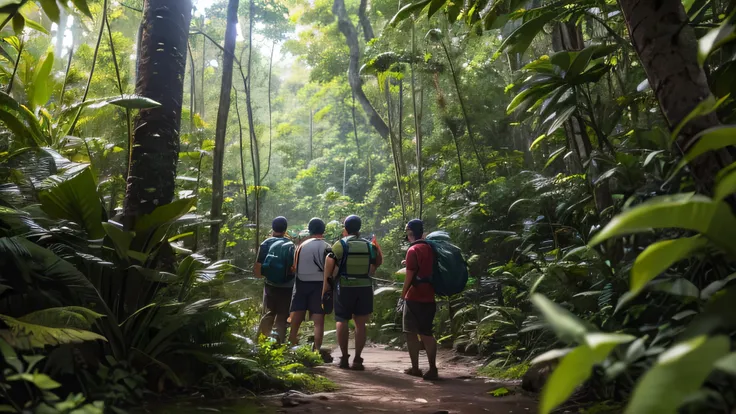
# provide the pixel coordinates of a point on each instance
(223, 111)
(161, 70)
(364, 21)
(667, 47)
(346, 27)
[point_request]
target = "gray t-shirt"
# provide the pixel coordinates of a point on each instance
(311, 261)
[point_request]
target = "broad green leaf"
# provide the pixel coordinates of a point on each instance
(165, 214)
(51, 9)
(714, 39)
(566, 325)
(4, 3)
(709, 140)
(134, 102)
(576, 367)
(406, 11)
(63, 317)
(76, 199)
(27, 335)
(678, 372)
(41, 89)
(659, 256)
(688, 4)
(42, 381)
(677, 287)
(10, 356)
(580, 62)
(725, 186)
(521, 38)
(82, 6)
(35, 25)
(727, 363)
(712, 219)
(553, 156)
(706, 106)
(120, 239)
(561, 118)
(19, 23)
(537, 141)
(434, 6)
(717, 315)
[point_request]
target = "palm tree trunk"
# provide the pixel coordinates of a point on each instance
(161, 70)
(223, 111)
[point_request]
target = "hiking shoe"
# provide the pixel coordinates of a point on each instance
(358, 364)
(431, 375)
(414, 372)
(345, 362)
(326, 357)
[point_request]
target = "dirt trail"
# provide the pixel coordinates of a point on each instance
(383, 387)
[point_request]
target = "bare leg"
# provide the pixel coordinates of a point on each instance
(319, 330)
(296, 320)
(266, 325)
(281, 323)
(412, 342)
(360, 333)
(342, 337)
(430, 344)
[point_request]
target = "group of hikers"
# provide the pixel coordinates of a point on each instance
(315, 276)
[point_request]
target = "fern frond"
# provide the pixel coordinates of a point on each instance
(27, 332)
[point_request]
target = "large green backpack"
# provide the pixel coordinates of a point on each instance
(356, 257)
(278, 262)
(450, 274)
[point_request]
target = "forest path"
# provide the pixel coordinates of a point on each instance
(383, 387)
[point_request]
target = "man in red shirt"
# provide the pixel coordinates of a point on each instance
(419, 305)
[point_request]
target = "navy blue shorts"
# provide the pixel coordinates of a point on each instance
(307, 296)
(353, 301)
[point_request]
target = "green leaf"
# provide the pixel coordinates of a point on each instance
(658, 257)
(717, 315)
(76, 199)
(9, 356)
(712, 219)
(434, 6)
(537, 141)
(727, 364)
(715, 39)
(120, 239)
(553, 156)
(576, 367)
(42, 381)
(19, 23)
(561, 118)
(63, 317)
(521, 38)
(709, 140)
(51, 9)
(725, 186)
(566, 325)
(35, 25)
(678, 372)
(41, 89)
(406, 11)
(151, 228)
(82, 6)
(134, 102)
(706, 106)
(29, 335)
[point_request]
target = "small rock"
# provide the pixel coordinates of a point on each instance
(421, 400)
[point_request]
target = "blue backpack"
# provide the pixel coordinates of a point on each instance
(450, 274)
(276, 267)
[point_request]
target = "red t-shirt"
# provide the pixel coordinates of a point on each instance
(420, 259)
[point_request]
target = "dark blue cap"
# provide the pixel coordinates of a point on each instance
(417, 228)
(279, 224)
(352, 224)
(316, 226)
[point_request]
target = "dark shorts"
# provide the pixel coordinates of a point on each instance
(353, 301)
(276, 300)
(307, 297)
(419, 317)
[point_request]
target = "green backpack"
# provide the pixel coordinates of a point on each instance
(356, 259)
(280, 258)
(450, 274)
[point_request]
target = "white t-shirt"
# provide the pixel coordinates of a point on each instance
(311, 265)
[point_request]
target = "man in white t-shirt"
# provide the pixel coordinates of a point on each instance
(307, 296)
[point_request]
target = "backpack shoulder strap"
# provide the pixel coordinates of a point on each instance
(344, 258)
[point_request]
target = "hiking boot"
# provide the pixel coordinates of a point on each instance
(358, 364)
(326, 356)
(414, 372)
(345, 362)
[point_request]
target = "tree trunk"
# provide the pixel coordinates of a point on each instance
(223, 111)
(365, 22)
(346, 27)
(161, 70)
(417, 121)
(667, 47)
(254, 150)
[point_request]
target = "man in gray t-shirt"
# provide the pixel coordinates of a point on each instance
(307, 295)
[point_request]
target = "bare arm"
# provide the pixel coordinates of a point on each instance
(407, 282)
(329, 268)
(257, 270)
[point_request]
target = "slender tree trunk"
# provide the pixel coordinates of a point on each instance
(254, 153)
(311, 134)
(667, 47)
(364, 21)
(394, 152)
(204, 67)
(346, 27)
(417, 121)
(161, 69)
(223, 111)
(270, 114)
(242, 157)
